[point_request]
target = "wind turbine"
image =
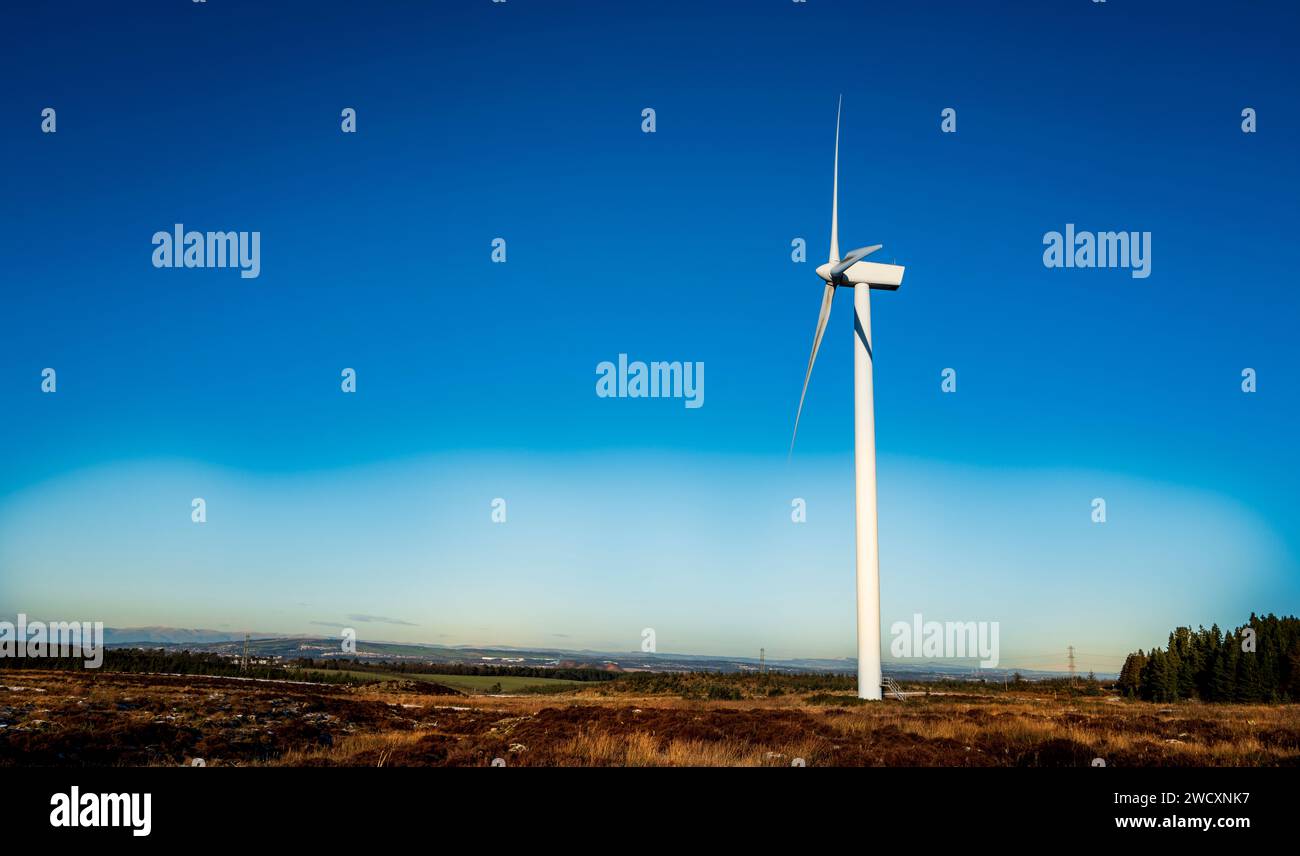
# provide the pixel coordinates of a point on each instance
(862, 277)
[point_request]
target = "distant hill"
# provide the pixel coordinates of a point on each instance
(167, 636)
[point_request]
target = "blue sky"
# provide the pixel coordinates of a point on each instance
(476, 380)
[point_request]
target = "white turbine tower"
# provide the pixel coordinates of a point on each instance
(852, 272)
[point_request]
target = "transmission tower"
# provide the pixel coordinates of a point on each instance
(243, 666)
(1071, 650)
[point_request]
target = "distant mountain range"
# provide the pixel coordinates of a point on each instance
(290, 647)
(168, 635)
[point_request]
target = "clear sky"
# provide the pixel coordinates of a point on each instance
(476, 380)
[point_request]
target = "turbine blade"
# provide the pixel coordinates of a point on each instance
(835, 192)
(853, 257)
(817, 343)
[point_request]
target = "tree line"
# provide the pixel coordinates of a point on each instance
(1257, 662)
(154, 660)
(160, 661)
(576, 673)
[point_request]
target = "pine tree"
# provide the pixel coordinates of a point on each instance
(1130, 677)
(1291, 677)
(1249, 687)
(1155, 677)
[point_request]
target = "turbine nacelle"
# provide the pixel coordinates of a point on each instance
(851, 271)
(873, 275)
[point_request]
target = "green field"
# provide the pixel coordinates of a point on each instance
(465, 683)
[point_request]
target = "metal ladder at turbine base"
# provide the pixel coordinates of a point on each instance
(891, 686)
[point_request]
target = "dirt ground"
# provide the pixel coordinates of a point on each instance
(106, 719)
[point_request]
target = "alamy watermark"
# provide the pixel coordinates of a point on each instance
(53, 639)
(951, 640)
(1099, 250)
(638, 379)
(182, 249)
(130, 810)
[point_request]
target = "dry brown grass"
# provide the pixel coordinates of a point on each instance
(106, 718)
